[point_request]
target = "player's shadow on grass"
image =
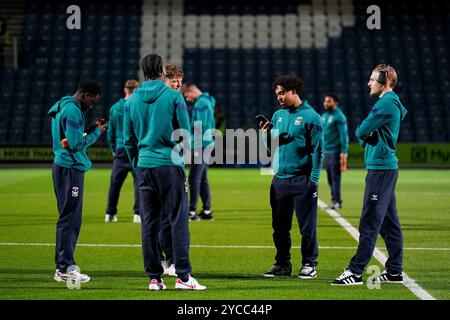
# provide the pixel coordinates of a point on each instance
(425, 227)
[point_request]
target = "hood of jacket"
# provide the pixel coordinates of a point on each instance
(58, 106)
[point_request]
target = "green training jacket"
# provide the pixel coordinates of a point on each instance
(335, 132)
(152, 113)
(203, 111)
(115, 125)
(384, 121)
(68, 121)
(300, 132)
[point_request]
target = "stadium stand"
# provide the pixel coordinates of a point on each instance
(234, 49)
(53, 59)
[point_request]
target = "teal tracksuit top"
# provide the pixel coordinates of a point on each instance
(151, 115)
(335, 132)
(203, 111)
(384, 119)
(68, 121)
(300, 133)
(115, 125)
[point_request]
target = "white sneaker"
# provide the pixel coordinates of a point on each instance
(59, 276)
(137, 218)
(170, 271)
(111, 218)
(76, 276)
(191, 284)
(156, 286)
(165, 265)
(307, 272)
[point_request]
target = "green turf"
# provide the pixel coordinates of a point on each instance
(242, 218)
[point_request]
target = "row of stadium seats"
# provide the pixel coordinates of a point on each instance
(54, 59)
(115, 36)
(241, 78)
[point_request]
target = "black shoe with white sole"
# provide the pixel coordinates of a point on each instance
(347, 278)
(307, 272)
(206, 215)
(389, 278)
(279, 271)
(336, 206)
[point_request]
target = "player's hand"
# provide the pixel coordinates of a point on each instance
(344, 158)
(372, 138)
(64, 143)
(102, 127)
(264, 126)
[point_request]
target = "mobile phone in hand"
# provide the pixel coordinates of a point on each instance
(261, 118)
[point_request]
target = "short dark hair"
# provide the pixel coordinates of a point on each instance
(187, 86)
(289, 82)
(333, 96)
(152, 66)
(89, 86)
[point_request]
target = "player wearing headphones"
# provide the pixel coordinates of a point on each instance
(378, 135)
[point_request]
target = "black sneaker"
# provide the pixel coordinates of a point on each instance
(336, 206)
(389, 278)
(279, 271)
(307, 272)
(206, 216)
(193, 216)
(347, 278)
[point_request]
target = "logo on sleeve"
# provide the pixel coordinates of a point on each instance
(298, 121)
(75, 192)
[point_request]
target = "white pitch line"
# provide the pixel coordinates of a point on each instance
(380, 256)
(113, 245)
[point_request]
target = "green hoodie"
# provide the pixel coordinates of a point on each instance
(68, 122)
(335, 132)
(203, 111)
(300, 132)
(115, 125)
(384, 121)
(152, 113)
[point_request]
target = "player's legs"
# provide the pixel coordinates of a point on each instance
(136, 193)
(205, 193)
(329, 167)
(150, 207)
(336, 178)
(68, 185)
(380, 185)
(391, 232)
(195, 178)
(305, 203)
(165, 238)
(282, 211)
(170, 182)
(119, 173)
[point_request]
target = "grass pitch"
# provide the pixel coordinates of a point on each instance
(222, 252)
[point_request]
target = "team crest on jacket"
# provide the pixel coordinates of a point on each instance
(298, 121)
